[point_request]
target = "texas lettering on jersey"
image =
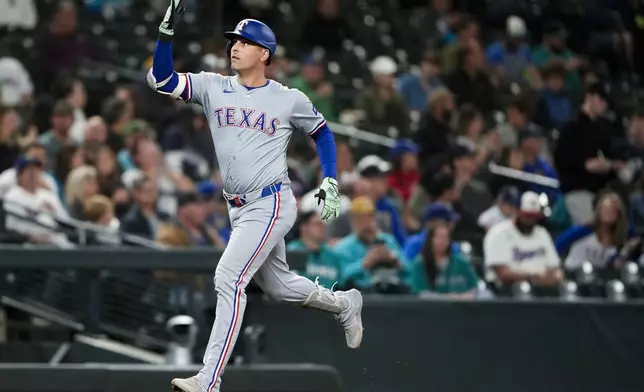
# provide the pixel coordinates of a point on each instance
(246, 118)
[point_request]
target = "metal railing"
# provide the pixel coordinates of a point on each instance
(82, 228)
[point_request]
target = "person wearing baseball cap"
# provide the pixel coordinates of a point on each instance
(506, 207)
(367, 248)
(191, 217)
(33, 209)
(555, 49)
(521, 250)
(531, 142)
(385, 110)
(404, 173)
(312, 82)
(434, 213)
(511, 56)
(375, 170)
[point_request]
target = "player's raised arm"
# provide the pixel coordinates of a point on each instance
(162, 77)
(306, 117)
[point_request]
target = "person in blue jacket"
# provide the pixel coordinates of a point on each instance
(531, 142)
(375, 170)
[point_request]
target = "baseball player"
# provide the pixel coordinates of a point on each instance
(251, 120)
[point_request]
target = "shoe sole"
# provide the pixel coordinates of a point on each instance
(359, 319)
(177, 388)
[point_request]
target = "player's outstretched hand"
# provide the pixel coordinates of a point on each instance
(329, 193)
(172, 17)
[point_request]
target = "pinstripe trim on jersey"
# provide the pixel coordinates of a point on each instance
(186, 95)
(238, 292)
(316, 129)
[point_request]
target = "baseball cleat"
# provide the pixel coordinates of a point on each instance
(351, 318)
(187, 385)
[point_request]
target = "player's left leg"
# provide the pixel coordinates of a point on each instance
(283, 285)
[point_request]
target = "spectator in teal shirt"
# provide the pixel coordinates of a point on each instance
(554, 48)
(440, 270)
(375, 261)
(322, 263)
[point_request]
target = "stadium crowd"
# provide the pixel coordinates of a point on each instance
(546, 96)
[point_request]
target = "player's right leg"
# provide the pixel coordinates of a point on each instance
(282, 285)
(258, 227)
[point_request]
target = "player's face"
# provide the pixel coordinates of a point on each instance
(246, 55)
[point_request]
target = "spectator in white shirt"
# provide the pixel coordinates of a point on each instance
(506, 207)
(16, 86)
(20, 14)
(521, 250)
(9, 177)
(610, 231)
(33, 210)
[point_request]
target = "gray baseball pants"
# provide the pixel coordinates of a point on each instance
(256, 249)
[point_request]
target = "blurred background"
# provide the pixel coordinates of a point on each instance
(490, 163)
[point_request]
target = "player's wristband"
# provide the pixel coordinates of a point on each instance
(163, 37)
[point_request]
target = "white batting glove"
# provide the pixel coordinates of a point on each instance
(172, 16)
(328, 192)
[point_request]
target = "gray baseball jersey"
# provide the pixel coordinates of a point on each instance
(251, 128)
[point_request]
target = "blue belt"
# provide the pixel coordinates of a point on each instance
(242, 200)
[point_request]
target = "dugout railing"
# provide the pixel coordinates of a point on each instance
(410, 344)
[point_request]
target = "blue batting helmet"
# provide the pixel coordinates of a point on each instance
(254, 31)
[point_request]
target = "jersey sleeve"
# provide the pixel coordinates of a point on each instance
(190, 87)
(198, 85)
(496, 250)
(305, 116)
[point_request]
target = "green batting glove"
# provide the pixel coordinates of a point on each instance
(329, 193)
(172, 17)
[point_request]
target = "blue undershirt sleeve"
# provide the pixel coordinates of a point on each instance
(164, 78)
(325, 145)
